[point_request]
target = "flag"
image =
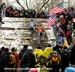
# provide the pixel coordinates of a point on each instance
(60, 29)
(66, 43)
(51, 21)
(56, 9)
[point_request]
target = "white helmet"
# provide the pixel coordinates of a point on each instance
(29, 48)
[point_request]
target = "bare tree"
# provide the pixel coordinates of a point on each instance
(0, 2)
(28, 7)
(43, 5)
(27, 4)
(20, 4)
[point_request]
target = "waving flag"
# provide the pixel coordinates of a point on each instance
(51, 21)
(56, 10)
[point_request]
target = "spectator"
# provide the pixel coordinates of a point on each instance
(54, 60)
(72, 58)
(7, 54)
(68, 35)
(32, 27)
(1, 7)
(1, 62)
(64, 58)
(39, 29)
(28, 59)
(17, 64)
(23, 51)
(60, 39)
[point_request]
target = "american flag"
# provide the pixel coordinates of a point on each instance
(56, 9)
(51, 21)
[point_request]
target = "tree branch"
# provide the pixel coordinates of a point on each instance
(27, 4)
(44, 5)
(20, 4)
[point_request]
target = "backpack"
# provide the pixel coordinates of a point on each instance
(54, 58)
(12, 59)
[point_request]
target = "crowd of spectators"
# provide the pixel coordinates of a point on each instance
(49, 59)
(30, 13)
(57, 57)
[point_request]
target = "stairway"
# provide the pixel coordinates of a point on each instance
(20, 30)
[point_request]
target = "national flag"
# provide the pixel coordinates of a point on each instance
(51, 21)
(60, 29)
(66, 43)
(56, 10)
